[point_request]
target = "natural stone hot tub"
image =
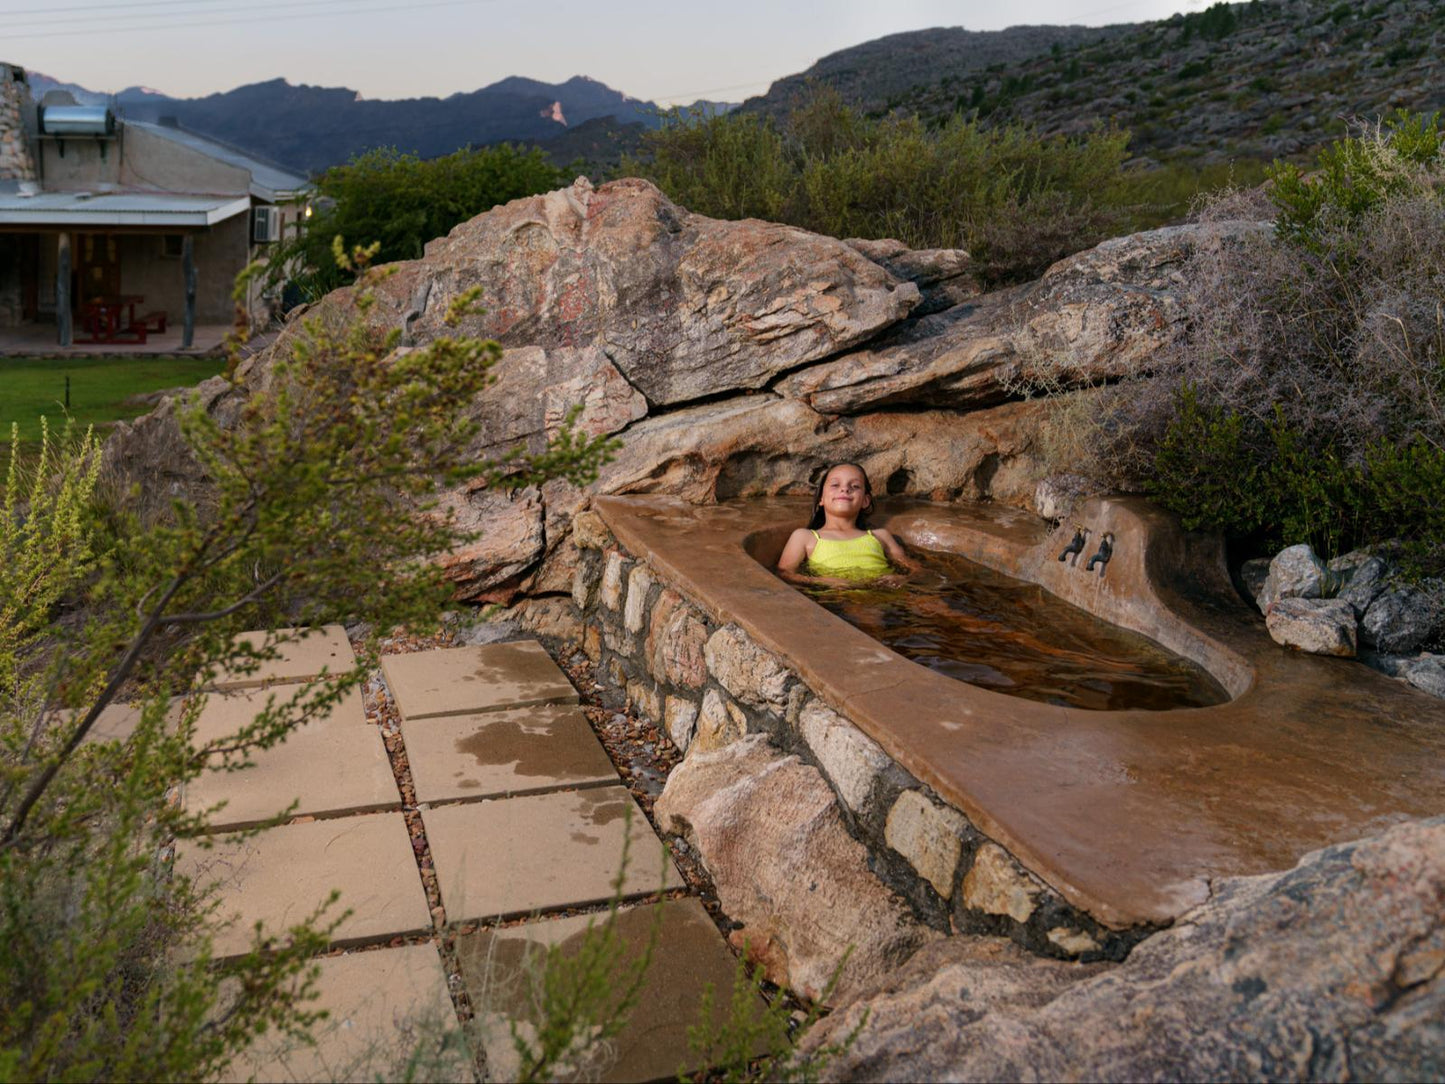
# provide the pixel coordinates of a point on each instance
(1074, 831)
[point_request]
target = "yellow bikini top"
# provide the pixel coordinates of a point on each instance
(852, 558)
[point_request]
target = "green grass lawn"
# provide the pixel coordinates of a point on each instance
(99, 388)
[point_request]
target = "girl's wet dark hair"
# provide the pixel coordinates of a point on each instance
(818, 516)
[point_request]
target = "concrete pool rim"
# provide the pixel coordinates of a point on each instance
(1128, 815)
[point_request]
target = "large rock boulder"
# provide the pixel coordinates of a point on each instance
(1295, 572)
(1320, 626)
(768, 828)
(535, 389)
(619, 301)
(1333, 970)
(685, 306)
(1093, 317)
(1400, 619)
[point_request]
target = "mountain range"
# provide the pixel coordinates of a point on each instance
(310, 128)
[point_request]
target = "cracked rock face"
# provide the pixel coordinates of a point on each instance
(1332, 970)
(685, 306)
(1093, 317)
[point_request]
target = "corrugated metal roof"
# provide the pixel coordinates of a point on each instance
(76, 209)
(268, 180)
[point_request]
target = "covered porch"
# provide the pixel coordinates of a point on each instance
(39, 340)
(118, 272)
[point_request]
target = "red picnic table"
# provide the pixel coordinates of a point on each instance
(113, 319)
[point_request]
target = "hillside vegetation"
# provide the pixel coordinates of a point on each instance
(1258, 80)
(1015, 197)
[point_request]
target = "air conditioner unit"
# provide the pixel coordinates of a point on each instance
(265, 225)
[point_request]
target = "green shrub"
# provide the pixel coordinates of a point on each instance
(1214, 473)
(1017, 200)
(1213, 23)
(401, 202)
(726, 166)
(1206, 471)
(1307, 400)
(1353, 178)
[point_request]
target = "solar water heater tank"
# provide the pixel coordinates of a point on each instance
(76, 120)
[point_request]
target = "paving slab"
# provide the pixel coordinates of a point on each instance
(117, 722)
(278, 876)
(501, 968)
(465, 680)
(498, 753)
(312, 652)
(517, 855)
(333, 764)
(386, 1006)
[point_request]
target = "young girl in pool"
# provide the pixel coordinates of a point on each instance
(837, 545)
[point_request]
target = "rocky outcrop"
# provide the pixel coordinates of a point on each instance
(1093, 317)
(1162, 81)
(686, 307)
(786, 869)
(1332, 970)
(802, 349)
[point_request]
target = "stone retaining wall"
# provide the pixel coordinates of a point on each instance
(708, 685)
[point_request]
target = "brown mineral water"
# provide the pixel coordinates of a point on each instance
(982, 627)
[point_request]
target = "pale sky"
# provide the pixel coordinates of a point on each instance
(670, 51)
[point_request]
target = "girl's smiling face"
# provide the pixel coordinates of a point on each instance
(845, 492)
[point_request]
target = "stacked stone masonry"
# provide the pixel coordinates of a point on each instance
(709, 684)
(16, 163)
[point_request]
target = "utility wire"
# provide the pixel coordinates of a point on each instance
(350, 8)
(180, 20)
(110, 7)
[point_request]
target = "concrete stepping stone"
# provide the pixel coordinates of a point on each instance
(519, 855)
(385, 1007)
(312, 652)
(117, 722)
(333, 764)
(501, 968)
(464, 680)
(278, 876)
(499, 753)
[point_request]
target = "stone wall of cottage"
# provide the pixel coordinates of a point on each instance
(16, 161)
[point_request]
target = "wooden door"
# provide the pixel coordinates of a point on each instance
(97, 267)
